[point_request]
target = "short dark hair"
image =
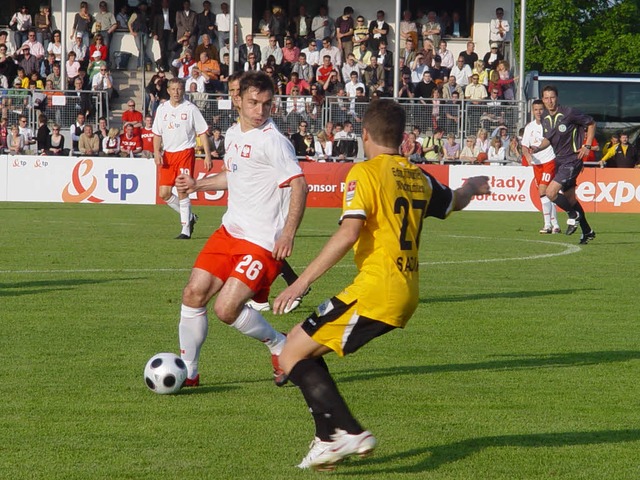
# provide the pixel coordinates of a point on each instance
(377, 122)
(537, 102)
(550, 88)
(259, 80)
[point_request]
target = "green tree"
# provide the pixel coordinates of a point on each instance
(581, 36)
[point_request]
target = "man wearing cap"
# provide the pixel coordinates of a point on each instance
(493, 57)
(105, 23)
(82, 52)
(96, 64)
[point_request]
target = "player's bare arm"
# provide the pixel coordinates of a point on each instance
(157, 149)
(284, 244)
(473, 186)
(204, 141)
(187, 184)
(337, 247)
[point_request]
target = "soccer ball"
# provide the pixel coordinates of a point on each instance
(165, 373)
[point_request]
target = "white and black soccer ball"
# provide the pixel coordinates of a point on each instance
(165, 373)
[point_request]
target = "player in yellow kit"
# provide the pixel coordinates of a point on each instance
(386, 199)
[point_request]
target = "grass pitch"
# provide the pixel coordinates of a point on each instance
(521, 362)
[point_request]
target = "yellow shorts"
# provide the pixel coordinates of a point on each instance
(338, 326)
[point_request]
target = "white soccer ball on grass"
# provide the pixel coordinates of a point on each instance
(165, 373)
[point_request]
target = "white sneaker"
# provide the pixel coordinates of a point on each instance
(346, 444)
(260, 307)
(317, 448)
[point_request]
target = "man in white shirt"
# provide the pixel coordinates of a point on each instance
(197, 78)
(334, 52)
(103, 81)
(322, 26)
(499, 29)
(351, 86)
(266, 199)
(462, 72)
(272, 48)
(446, 56)
(175, 127)
(313, 54)
(223, 26)
(544, 164)
(37, 49)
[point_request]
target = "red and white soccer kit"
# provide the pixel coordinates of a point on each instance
(128, 145)
(146, 136)
(260, 165)
(178, 126)
(544, 165)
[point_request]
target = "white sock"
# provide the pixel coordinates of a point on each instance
(251, 323)
(193, 332)
(174, 203)
(554, 216)
(546, 210)
(185, 215)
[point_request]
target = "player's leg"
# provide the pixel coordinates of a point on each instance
(543, 175)
(588, 233)
(194, 322)
(185, 162)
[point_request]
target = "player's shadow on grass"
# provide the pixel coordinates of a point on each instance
(514, 362)
(203, 389)
(495, 295)
(433, 457)
(34, 287)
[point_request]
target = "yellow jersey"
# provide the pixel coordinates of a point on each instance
(393, 196)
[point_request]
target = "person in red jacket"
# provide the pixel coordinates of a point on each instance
(130, 143)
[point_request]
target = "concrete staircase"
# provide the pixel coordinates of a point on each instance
(130, 85)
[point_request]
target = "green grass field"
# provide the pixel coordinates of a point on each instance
(521, 362)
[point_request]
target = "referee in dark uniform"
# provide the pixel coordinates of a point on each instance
(565, 130)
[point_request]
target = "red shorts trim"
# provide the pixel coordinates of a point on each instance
(176, 163)
(544, 173)
(225, 256)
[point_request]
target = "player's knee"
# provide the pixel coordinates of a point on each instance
(194, 296)
(226, 312)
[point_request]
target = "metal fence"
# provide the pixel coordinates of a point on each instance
(61, 107)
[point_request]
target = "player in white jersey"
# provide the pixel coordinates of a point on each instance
(176, 125)
(267, 194)
(544, 166)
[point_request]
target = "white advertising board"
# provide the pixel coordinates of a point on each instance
(81, 179)
(512, 188)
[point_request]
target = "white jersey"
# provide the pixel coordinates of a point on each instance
(532, 137)
(260, 165)
(178, 126)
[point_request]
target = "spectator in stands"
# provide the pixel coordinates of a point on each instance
(43, 136)
(613, 141)
(247, 48)
(450, 87)
(290, 54)
(498, 29)
(457, 28)
(206, 24)
(438, 72)
(4, 132)
(187, 24)
(210, 69)
(217, 144)
(324, 71)
(157, 91)
(406, 88)
(344, 31)
(21, 23)
(163, 29)
(433, 146)
(312, 55)
(76, 130)
(462, 72)
(111, 143)
(408, 29)
(82, 75)
(55, 46)
(146, 135)
(410, 147)
(98, 46)
(251, 64)
(4, 82)
(132, 117)
(296, 109)
(345, 143)
(103, 81)
(15, 141)
(88, 144)
(296, 82)
(46, 67)
(425, 88)
(122, 17)
(378, 30)
(130, 143)
(470, 152)
(223, 26)
(300, 27)
(353, 83)
(408, 53)
(80, 99)
(139, 27)
(297, 139)
(4, 40)
(482, 140)
(621, 155)
(323, 147)
(272, 49)
(56, 142)
(96, 64)
(263, 24)
(225, 51)
(435, 104)
(469, 56)
(36, 80)
(493, 57)
(475, 90)
(81, 52)
(446, 57)
(363, 57)
(82, 23)
(432, 29)
(198, 79)
(505, 80)
(374, 76)
(105, 23)
(496, 154)
(26, 132)
(278, 25)
(360, 33)
(303, 69)
(323, 27)
(451, 149)
(102, 130)
(503, 132)
(335, 54)
(21, 78)
(418, 68)
(207, 46)
(385, 58)
(27, 61)
(8, 67)
(184, 64)
(483, 74)
(36, 48)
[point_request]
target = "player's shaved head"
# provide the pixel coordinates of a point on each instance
(385, 122)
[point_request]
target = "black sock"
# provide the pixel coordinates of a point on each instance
(584, 225)
(563, 203)
(327, 406)
(287, 273)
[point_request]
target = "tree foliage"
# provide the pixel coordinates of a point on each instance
(582, 36)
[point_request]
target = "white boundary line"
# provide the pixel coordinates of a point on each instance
(568, 250)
